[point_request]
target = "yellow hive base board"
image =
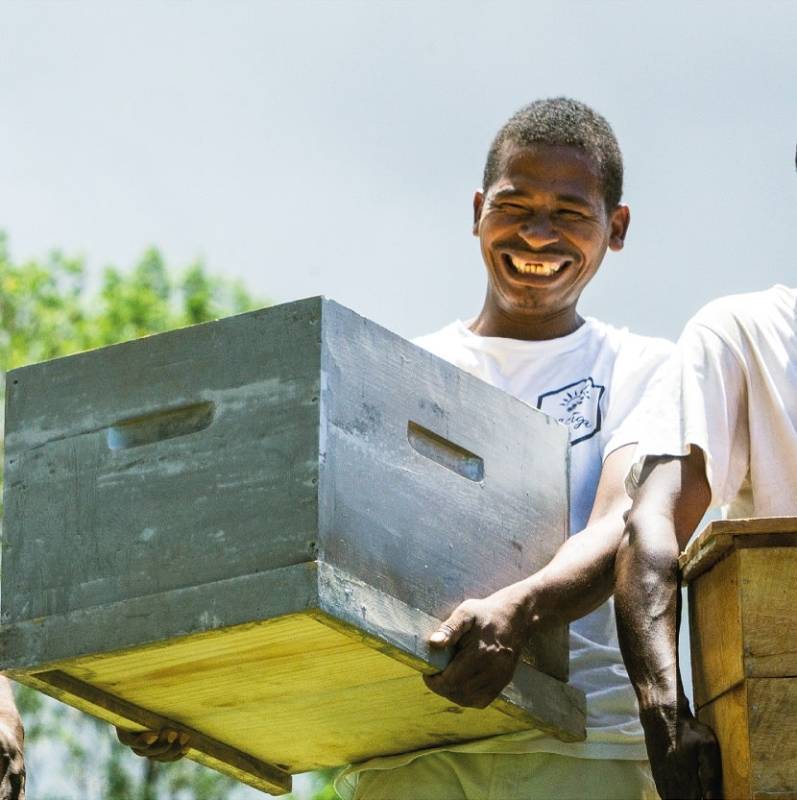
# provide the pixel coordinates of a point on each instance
(266, 699)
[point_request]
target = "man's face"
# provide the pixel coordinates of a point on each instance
(544, 229)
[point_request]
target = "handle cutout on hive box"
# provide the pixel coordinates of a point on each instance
(447, 454)
(160, 425)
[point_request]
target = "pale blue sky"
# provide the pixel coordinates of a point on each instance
(334, 147)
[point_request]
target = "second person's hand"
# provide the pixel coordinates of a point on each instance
(166, 744)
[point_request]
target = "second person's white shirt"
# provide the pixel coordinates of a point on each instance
(731, 390)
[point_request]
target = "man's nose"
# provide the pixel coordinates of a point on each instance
(537, 232)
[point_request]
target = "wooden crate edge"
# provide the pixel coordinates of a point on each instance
(388, 625)
(204, 750)
(34, 645)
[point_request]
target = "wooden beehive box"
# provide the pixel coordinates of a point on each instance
(247, 529)
(742, 588)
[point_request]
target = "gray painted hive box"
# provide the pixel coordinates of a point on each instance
(247, 529)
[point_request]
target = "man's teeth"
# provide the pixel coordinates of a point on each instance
(535, 268)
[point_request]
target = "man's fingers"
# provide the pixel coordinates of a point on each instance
(165, 745)
(436, 683)
(136, 738)
(12, 785)
(452, 630)
(16, 781)
(446, 685)
(709, 770)
(12, 768)
(459, 670)
(477, 693)
(468, 680)
(158, 748)
(174, 753)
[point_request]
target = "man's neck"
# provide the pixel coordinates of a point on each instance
(494, 321)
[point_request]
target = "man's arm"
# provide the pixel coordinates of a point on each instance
(672, 498)
(489, 633)
(12, 735)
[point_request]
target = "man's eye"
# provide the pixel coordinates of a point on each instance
(570, 213)
(512, 208)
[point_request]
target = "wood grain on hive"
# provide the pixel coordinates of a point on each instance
(742, 578)
(247, 529)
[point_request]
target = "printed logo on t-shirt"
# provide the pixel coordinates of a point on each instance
(577, 405)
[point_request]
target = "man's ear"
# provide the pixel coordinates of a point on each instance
(478, 205)
(619, 222)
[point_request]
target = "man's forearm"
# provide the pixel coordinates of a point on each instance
(683, 753)
(646, 598)
(671, 500)
(580, 577)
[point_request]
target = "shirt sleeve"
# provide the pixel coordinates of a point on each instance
(698, 398)
(633, 371)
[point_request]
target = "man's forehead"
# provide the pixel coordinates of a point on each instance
(560, 169)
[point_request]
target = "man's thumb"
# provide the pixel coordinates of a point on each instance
(452, 630)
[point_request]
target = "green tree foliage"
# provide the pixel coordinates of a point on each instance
(52, 308)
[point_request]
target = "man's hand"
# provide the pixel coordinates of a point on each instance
(12, 736)
(12, 766)
(488, 636)
(164, 745)
(684, 756)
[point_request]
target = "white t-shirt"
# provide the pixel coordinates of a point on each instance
(590, 380)
(731, 389)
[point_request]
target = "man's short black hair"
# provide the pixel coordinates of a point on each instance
(562, 121)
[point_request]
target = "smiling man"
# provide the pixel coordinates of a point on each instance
(547, 213)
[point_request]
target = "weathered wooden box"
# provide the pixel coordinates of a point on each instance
(247, 529)
(743, 627)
